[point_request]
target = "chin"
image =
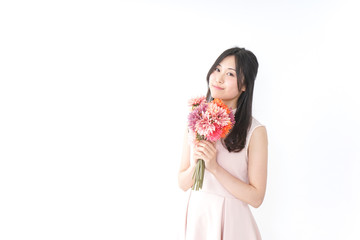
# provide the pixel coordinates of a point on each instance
(214, 95)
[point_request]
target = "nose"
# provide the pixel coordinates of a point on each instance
(219, 78)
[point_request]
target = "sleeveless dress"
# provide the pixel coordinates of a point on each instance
(213, 213)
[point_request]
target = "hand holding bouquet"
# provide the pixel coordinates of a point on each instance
(209, 121)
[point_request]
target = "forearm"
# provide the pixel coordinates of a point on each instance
(185, 178)
(241, 190)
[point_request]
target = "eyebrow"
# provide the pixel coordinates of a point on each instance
(228, 68)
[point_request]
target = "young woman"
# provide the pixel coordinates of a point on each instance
(236, 167)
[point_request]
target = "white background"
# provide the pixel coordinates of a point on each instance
(93, 107)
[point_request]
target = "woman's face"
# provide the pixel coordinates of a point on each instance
(223, 82)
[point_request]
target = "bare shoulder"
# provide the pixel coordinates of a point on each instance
(258, 141)
(259, 137)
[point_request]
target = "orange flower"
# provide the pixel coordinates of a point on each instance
(221, 104)
(226, 130)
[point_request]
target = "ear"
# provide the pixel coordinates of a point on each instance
(243, 88)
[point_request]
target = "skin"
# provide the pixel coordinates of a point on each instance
(253, 193)
(225, 77)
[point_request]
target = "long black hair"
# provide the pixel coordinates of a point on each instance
(246, 71)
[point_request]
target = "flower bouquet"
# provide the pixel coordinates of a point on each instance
(208, 121)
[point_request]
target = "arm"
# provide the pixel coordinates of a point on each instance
(186, 169)
(254, 192)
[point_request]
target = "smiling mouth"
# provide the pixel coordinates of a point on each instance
(218, 87)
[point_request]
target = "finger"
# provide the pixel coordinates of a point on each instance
(203, 149)
(206, 155)
(198, 154)
(208, 146)
(198, 150)
(208, 143)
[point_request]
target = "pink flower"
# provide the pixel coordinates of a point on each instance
(209, 121)
(194, 102)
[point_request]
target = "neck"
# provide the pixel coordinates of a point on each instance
(230, 104)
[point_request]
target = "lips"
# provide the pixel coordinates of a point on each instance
(217, 87)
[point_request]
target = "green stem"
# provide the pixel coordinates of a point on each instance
(198, 175)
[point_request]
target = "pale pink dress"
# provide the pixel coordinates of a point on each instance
(213, 213)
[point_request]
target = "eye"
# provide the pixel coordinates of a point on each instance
(217, 69)
(231, 74)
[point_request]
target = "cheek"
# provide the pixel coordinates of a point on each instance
(234, 83)
(233, 87)
(211, 77)
(234, 92)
